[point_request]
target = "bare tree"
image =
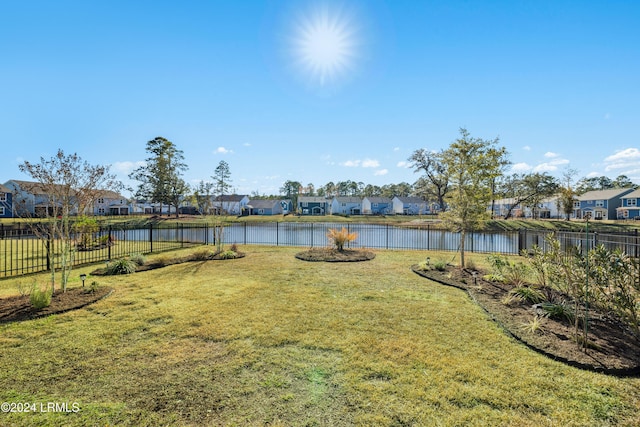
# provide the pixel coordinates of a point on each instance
(71, 187)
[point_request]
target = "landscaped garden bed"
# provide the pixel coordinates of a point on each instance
(612, 347)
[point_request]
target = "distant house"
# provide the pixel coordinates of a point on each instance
(601, 204)
(308, 205)
(377, 206)
(630, 207)
(409, 206)
(6, 202)
(232, 204)
(500, 208)
(32, 199)
(268, 207)
(549, 208)
(110, 203)
(343, 205)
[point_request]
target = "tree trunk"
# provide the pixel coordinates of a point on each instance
(462, 239)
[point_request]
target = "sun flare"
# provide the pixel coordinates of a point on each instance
(324, 45)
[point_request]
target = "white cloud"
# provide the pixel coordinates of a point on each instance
(526, 148)
(520, 167)
(351, 163)
(126, 167)
(551, 166)
(627, 159)
(370, 163)
(222, 150)
(366, 163)
(403, 164)
(551, 155)
(396, 148)
(381, 172)
(247, 144)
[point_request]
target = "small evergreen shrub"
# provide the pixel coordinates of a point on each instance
(440, 265)
(534, 326)
(228, 254)
(40, 298)
(529, 294)
(139, 259)
(121, 266)
(92, 288)
(559, 310)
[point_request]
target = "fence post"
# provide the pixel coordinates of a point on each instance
(181, 227)
(151, 238)
(311, 234)
(245, 232)
(277, 233)
(109, 240)
(387, 237)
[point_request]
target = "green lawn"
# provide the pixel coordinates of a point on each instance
(269, 339)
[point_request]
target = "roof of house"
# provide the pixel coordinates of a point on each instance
(230, 198)
(375, 199)
(604, 194)
(634, 194)
(4, 189)
(108, 194)
(347, 199)
(263, 203)
(410, 199)
(33, 187)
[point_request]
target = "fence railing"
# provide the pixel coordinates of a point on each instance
(22, 251)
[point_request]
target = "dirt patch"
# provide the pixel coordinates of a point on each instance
(612, 349)
(17, 308)
(334, 255)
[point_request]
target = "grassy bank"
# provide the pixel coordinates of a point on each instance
(269, 339)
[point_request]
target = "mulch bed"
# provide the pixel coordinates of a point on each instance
(18, 308)
(612, 349)
(333, 255)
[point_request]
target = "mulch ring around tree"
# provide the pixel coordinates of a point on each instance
(18, 308)
(334, 255)
(612, 349)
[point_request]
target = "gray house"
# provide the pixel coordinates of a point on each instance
(600, 204)
(343, 205)
(409, 206)
(377, 206)
(267, 207)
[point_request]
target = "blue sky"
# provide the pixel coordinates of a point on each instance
(318, 91)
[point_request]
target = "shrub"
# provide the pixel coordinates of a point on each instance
(40, 298)
(341, 237)
(534, 326)
(228, 254)
(234, 248)
(516, 274)
(494, 277)
(559, 310)
(121, 266)
(139, 259)
(202, 254)
(440, 265)
(92, 287)
(527, 293)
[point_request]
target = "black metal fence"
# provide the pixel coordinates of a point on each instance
(22, 251)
